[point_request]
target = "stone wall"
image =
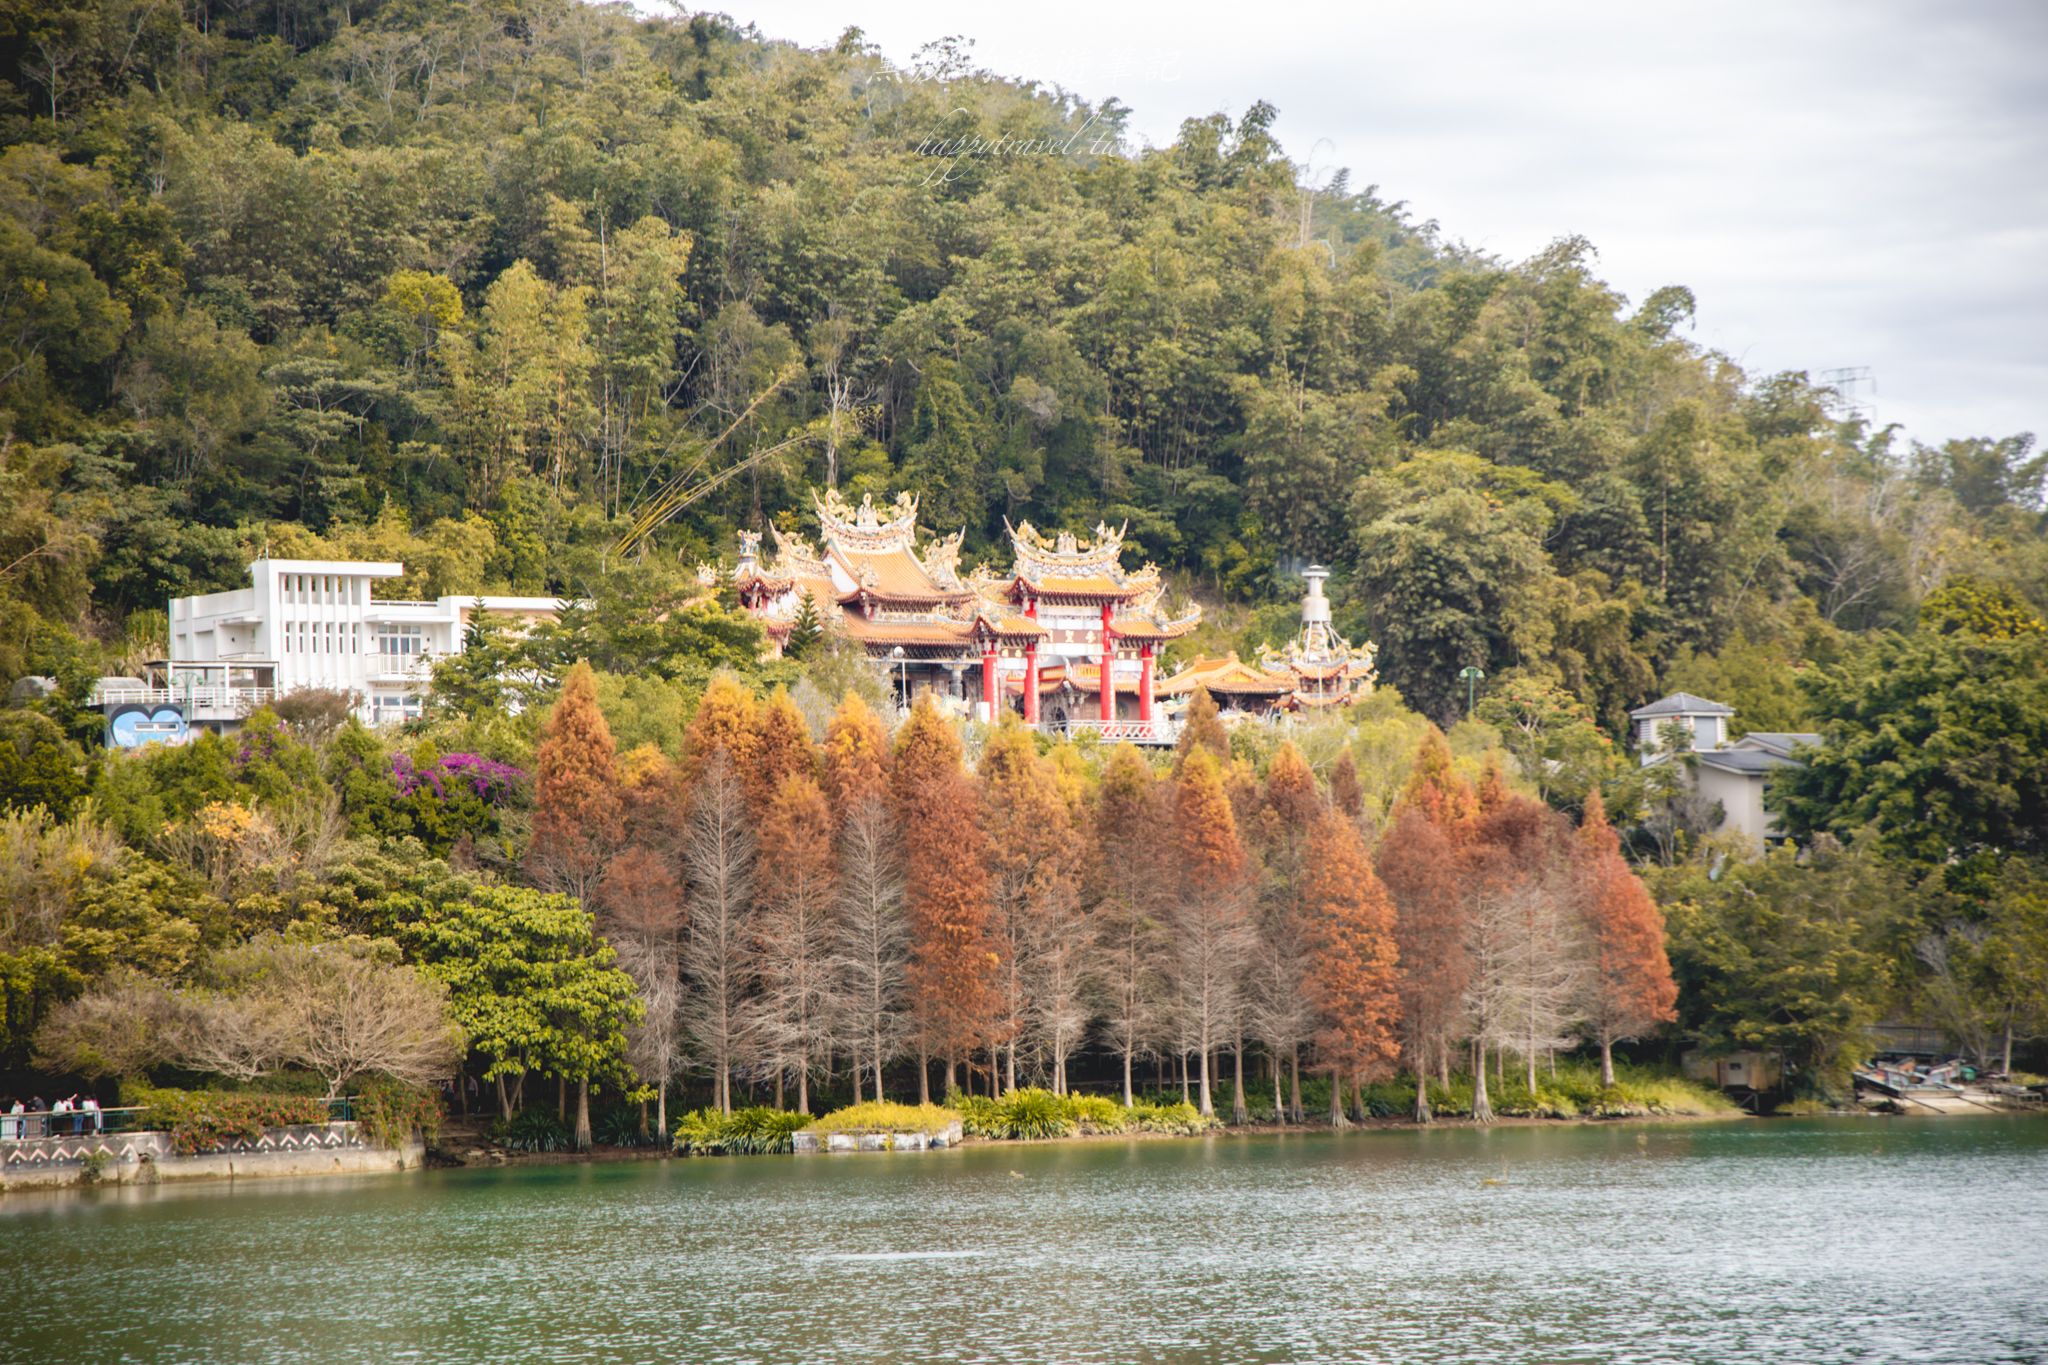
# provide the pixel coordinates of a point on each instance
(143, 1158)
(809, 1144)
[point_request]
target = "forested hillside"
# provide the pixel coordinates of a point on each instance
(477, 286)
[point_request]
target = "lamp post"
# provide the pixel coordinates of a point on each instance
(1471, 675)
(902, 679)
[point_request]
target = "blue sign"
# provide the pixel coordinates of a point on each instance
(132, 727)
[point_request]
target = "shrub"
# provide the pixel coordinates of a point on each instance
(532, 1130)
(885, 1116)
(622, 1125)
(977, 1113)
(1179, 1116)
(1097, 1114)
(207, 1120)
(390, 1112)
(1032, 1113)
(743, 1132)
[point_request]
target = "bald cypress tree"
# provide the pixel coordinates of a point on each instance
(1352, 980)
(1128, 863)
(856, 762)
(1630, 990)
(1421, 861)
(953, 964)
(1211, 920)
(793, 933)
(578, 816)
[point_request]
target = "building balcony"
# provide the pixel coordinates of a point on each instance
(400, 667)
(198, 703)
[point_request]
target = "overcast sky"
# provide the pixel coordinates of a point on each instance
(1839, 184)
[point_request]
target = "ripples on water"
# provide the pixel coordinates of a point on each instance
(1810, 1242)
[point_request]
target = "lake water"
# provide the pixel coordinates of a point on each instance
(1781, 1241)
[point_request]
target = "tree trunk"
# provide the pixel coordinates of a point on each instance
(2008, 1047)
(661, 1109)
(1185, 1097)
(1239, 1115)
(1294, 1109)
(1482, 1108)
(1129, 1098)
(504, 1101)
(924, 1077)
(1422, 1114)
(1606, 1062)
(803, 1087)
(1279, 1100)
(1010, 1067)
(1208, 1100)
(778, 1087)
(1337, 1119)
(583, 1116)
(562, 1098)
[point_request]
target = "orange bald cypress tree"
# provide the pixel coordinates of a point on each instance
(856, 757)
(1347, 793)
(1128, 867)
(1421, 860)
(1211, 914)
(578, 817)
(1276, 1011)
(952, 972)
(1202, 730)
(724, 723)
(794, 932)
(1034, 900)
(782, 749)
(1353, 978)
(1630, 990)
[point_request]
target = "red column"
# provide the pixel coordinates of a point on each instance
(1031, 682)
(1145, 684)
(1108, 668)
(989, 694)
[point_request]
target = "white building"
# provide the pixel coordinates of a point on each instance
(1729, 774)
(301, 623)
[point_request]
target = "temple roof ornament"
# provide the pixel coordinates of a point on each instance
(865, 529)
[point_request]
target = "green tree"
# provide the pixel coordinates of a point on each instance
(1938, 742)
(1451, 557)
(39, 766)
(1786, 954)
(530, 984)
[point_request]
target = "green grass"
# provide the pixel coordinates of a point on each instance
(886, 1116)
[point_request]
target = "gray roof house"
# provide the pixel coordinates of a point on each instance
(1730, 773)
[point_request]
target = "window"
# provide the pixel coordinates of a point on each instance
(392, 708)
(406, 642)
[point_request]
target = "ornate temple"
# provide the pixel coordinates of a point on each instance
(1039, 639)
(1317, 668)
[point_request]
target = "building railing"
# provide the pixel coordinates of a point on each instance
(401, 665)
(1158, 730)
(216, 697)
(34, 1124)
